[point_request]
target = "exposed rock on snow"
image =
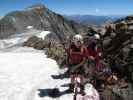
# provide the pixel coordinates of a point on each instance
(35, 42)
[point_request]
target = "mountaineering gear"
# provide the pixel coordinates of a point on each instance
(76, 84)
(78, 87)
(71, 87)
(77, 38)
(97, 36)
(82, 89)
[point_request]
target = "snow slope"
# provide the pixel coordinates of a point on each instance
(24, 70)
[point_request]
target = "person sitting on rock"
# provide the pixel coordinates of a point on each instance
(76, 59)
(94, 52)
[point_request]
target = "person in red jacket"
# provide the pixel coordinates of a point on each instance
(94, 51)
(77, 55)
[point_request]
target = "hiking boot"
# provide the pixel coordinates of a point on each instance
(82, 90)
(71, 87)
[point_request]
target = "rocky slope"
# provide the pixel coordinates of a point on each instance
(118, 45)
(39, 17)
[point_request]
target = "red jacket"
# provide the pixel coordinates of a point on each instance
(76, 55)
(94, 53)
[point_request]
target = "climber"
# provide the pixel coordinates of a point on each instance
(94, 51)
(77, 55)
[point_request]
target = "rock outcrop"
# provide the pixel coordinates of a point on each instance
(54, 49)
(118, 45)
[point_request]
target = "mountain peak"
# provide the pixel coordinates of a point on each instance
(37, 6)
(41, 18)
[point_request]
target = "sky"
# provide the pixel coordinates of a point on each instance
(72, 7)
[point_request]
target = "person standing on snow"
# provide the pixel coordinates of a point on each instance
(77, 55)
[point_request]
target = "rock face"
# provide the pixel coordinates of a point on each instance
(35, 42)
(118, 45)
(53, 48)
(39, 17)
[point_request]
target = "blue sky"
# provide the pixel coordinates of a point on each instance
(69, 7)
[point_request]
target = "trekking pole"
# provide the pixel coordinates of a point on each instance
(76, 86)
(75, 94)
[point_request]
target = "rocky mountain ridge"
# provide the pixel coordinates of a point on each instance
(40, 18)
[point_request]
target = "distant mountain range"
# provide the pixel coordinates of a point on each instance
(93, 19)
